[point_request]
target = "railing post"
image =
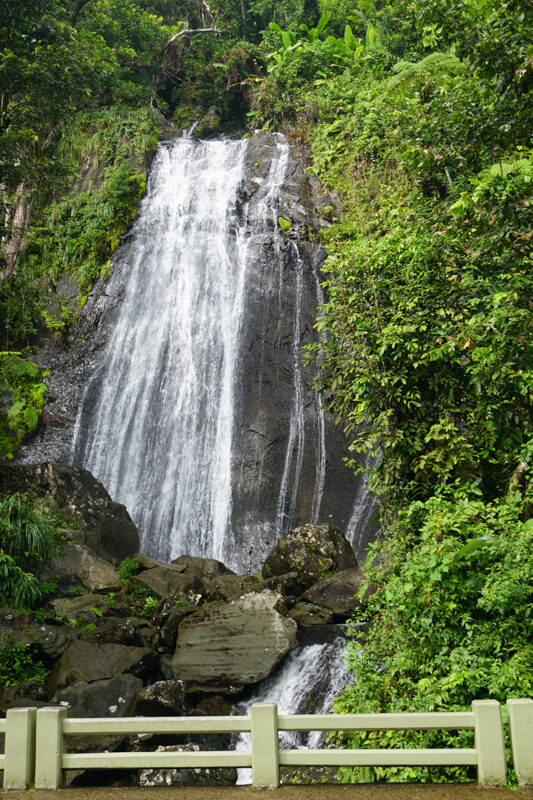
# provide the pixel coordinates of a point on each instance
(49, 748)
(490, 743)
(521, 729)
(265, 745)
(19, 762)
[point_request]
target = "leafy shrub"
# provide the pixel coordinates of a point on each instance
(451, 622)
(27, 541)
(20, 379)
(20, 662)
(129, 567)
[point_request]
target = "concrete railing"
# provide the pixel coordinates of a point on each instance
(264, 756)
(18, 760)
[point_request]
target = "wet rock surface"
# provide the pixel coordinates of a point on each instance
(234, 644)
(105, 526)
(84, 661)
(314, 552)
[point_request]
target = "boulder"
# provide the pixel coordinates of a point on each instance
(119, 630)
(201, 567)
(106, 698)
(223, 647)
(337, 593)
(313, 551)
(95, 574)
(168, 614)
(84, 661)
(160, 699)
(207, 776)
(53, 639)
(306, 614)
(82, 606)
(107, 527)
(163, 581)
(27, 693)
(229, 587)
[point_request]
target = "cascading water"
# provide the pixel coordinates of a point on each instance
(307, 682)
(162, 426)
(198, 413)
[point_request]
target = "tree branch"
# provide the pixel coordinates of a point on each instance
(189, 31)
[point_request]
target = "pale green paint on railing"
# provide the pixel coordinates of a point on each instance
(378, 758)
(452, 720)
(521, 730)
(18, 761)
(264, 757)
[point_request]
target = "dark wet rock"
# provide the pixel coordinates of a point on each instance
(215, 705)
(168, 614)
(313, 551)
(289, 585)
(165, 667)
(306, 614)
(84, 661)
(167, 580)
(27, 693)
(321, 634)
(104, 698)
(229, 587)
(95, 574)
(119, 630)
(206, 776)
(227, 646)
(337, 593)
(201, 567)
(160, 699)
(106, 525)
(53, 639)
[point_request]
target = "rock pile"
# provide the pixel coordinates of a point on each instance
(178, 638)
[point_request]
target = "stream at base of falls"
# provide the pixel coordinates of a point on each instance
(306, 682)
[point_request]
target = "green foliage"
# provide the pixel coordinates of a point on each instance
(21, 381)
(428, 317)
(28, 540)
(451, 616)
(128, 568)
(148, 607)
(20, 662)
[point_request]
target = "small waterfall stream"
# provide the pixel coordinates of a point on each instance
(307, 682)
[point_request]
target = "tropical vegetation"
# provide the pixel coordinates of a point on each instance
(418, 113)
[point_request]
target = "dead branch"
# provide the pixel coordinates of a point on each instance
(190, 32)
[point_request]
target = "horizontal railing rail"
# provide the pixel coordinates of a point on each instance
(35, 742)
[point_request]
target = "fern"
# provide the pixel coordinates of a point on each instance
(407, 72)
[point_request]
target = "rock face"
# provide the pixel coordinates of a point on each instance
(163, 581)
(312, 551)
(227, 647)
(95, 574)
(107, 698)
(84, 661)
(106, 526)
(337, 593)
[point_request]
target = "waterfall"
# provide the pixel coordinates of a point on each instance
(295, 445)
(161, 430)
(306, 682)
(197, 411)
